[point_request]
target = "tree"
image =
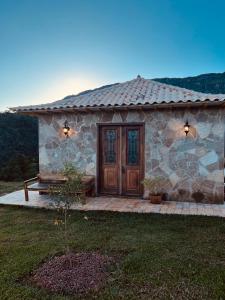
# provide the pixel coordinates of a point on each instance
(65, 195)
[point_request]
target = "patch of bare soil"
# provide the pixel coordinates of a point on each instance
(73, 273)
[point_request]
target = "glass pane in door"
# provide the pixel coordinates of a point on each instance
(132, 146)
(110, 146)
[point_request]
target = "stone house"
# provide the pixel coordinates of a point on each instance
(124, 132)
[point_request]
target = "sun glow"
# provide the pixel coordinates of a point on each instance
(67, 86)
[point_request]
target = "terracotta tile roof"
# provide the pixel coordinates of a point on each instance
(138, 91)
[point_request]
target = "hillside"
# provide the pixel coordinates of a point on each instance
(207, 83)
(18, 146)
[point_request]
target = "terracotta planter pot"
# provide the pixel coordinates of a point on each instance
(156, 199)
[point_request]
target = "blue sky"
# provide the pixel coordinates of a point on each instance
(53, 48)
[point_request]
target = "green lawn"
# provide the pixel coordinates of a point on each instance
(161, 257)
(8, 187)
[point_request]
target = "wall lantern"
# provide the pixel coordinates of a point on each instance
(186, 128)
(66, 129)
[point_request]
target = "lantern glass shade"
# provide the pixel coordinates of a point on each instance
(66, 128)
(186, 128)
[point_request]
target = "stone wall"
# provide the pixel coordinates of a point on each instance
(192, 165)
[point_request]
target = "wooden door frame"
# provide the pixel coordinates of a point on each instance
(98, 161)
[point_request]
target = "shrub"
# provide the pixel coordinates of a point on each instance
(154, 184)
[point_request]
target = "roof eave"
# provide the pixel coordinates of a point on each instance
(122, 107)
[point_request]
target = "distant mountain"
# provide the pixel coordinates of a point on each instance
(207, 83)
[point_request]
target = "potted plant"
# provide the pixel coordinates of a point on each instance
(154, 187)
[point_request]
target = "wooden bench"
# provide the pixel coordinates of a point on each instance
(42, 183)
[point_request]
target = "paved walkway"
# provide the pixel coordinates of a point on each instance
(119, 204)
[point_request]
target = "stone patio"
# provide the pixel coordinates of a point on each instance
(119, 204)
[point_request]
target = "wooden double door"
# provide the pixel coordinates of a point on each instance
(121, 159)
